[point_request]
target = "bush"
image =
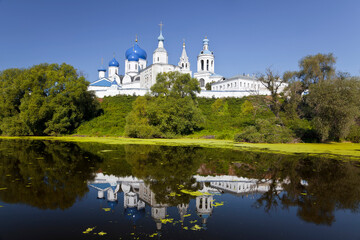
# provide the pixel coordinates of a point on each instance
(354, 135)
(265, 131)
(154, 117)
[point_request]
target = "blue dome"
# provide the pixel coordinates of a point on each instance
(137, 50)
(133, 57)
(113, 63)
(102, 69)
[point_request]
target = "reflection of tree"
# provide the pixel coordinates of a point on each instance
(165, 169)
(46, 175)
(330, 185)
(316, 186)
(113, 157)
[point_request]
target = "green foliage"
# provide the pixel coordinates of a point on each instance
(113, 120)
(173, 110)
(354, 134)
(335, 107)
(313, 69)
(175, 84)
(220, 107)
(208, 85)
(46, 99)
(265, 130)
(163, 116)
(302, 128)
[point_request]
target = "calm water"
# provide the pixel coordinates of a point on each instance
(56, 190)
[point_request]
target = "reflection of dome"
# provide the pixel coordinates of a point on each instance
(112, 204)
(137, 51)
(114, 63)
(134, 214)
(125, 188)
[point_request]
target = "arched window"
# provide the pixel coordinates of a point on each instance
(182, 65)
(129, 66)
(202, 65)
(186, 65)
(207, 65)
(212, 63)
(136, 67)
(202, 82)
(158, 59)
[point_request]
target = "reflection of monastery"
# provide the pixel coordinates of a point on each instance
(137, 194)
(139, 76)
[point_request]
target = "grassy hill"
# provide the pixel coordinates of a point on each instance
(223, 117)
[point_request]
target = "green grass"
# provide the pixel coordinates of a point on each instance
(350, 150)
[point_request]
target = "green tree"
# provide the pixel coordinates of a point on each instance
(335, 106)
(175, 84)
(46, 99)
(313, 69)
(172, 111)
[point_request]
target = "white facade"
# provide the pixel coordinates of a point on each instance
(206, 66)
(139, 77)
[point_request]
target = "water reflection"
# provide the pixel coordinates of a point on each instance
(137, 194)
(151, 182)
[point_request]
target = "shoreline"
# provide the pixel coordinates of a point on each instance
(349, 150)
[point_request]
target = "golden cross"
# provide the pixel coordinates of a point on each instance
(136, 39)
(161, 24)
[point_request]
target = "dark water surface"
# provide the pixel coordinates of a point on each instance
(58, 190)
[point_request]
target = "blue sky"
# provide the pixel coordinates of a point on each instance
(246, 36)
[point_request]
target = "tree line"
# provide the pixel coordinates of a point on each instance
(319, 104)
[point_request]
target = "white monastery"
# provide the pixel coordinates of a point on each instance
(139, 76)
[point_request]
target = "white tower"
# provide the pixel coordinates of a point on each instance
(184, 63)
(160, 54)
(205, 62)
(206, 67)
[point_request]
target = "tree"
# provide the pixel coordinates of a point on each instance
(46, 99)
(335, 106)
(313, 69)
(175, 84)
(172, 111)
(208, 85)
(272, 82)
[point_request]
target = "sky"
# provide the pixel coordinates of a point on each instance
(245, 36)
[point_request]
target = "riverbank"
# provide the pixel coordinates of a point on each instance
(351, 150)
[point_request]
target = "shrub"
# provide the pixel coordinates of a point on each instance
(265, 131)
